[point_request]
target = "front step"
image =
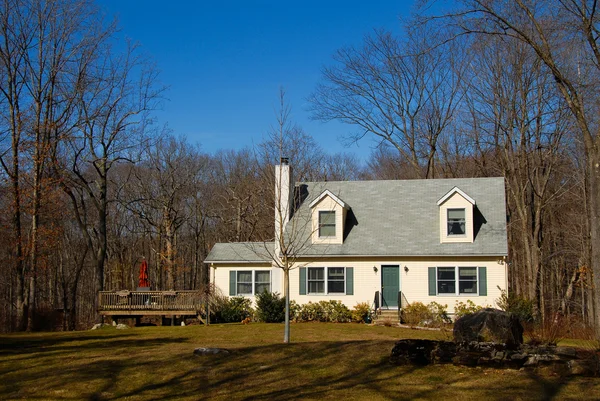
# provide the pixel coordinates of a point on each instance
(387, 317)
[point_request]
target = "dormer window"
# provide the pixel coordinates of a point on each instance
(456, 222)
(326, 223)
(328, 213)
(456, 217)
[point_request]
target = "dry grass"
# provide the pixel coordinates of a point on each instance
(325, 361)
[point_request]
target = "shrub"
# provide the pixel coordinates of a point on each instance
(294, 310)
(415, 313)
(324, 311)
(233, 310)
(465, 308)
(419, 314)
(517, 305)
(439, 314)
(549, 332)
(310, 312)
(270, 308)
(218, 302)
(337, 312)
(361, 312)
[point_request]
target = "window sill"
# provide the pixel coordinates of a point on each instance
(458, 295)
(326, 294)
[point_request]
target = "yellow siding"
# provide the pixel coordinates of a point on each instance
(413, 284)
(220, 276)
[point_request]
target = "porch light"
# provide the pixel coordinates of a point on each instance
(405, 268)
(375, 269)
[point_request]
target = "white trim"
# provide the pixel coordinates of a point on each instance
(321, 225)
(457, 292)
(326, 280)
(452, 192)
(253, 282)
(332, 196)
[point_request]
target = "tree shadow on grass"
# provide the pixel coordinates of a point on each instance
(283, 372)
(124, 366)
(59, 363)
(27, 343)
(335, 369)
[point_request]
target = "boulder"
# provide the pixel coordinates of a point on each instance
(489, 325)
(122, 326)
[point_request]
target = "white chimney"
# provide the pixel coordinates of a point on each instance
(284, 195)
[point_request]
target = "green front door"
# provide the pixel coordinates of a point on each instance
(390, 286)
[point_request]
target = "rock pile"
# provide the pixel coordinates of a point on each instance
(503, 348)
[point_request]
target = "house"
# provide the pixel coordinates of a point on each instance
(386, 242)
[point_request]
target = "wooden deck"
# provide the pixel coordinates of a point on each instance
(142, 303)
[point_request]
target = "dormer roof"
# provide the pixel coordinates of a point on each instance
(324, 194)
(456, 190)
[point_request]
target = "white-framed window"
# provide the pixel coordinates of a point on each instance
(244, 282)
(327, 223)
(457, 281)
(336, 280)
(467, 280)
(326, 280)
(446, 280)
(456, 222)
(316, 280)
(251, 282)
(262, 281)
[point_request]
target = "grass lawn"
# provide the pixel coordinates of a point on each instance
(325, 361)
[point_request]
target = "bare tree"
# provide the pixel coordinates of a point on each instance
(113, 103)
(564, 35)
(520, 120)
(45, 48)
(291, 237)
(160, 187)
(403, 92)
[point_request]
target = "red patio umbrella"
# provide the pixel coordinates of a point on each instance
(143, 282)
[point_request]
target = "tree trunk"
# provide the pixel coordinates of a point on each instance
(286, 291)
(102, 238)
(170, 260)
(594, 193)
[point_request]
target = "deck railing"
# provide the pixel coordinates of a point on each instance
(150, 300)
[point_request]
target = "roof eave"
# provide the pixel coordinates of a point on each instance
(454, 191)
(331, 195)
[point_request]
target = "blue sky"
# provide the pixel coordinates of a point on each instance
(224, 61)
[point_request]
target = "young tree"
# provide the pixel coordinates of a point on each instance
(291, 237)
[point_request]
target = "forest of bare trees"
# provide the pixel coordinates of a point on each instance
(89, 186)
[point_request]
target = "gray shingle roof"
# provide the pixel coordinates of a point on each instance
(392, 218)
(401, 217)
(249, 252)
